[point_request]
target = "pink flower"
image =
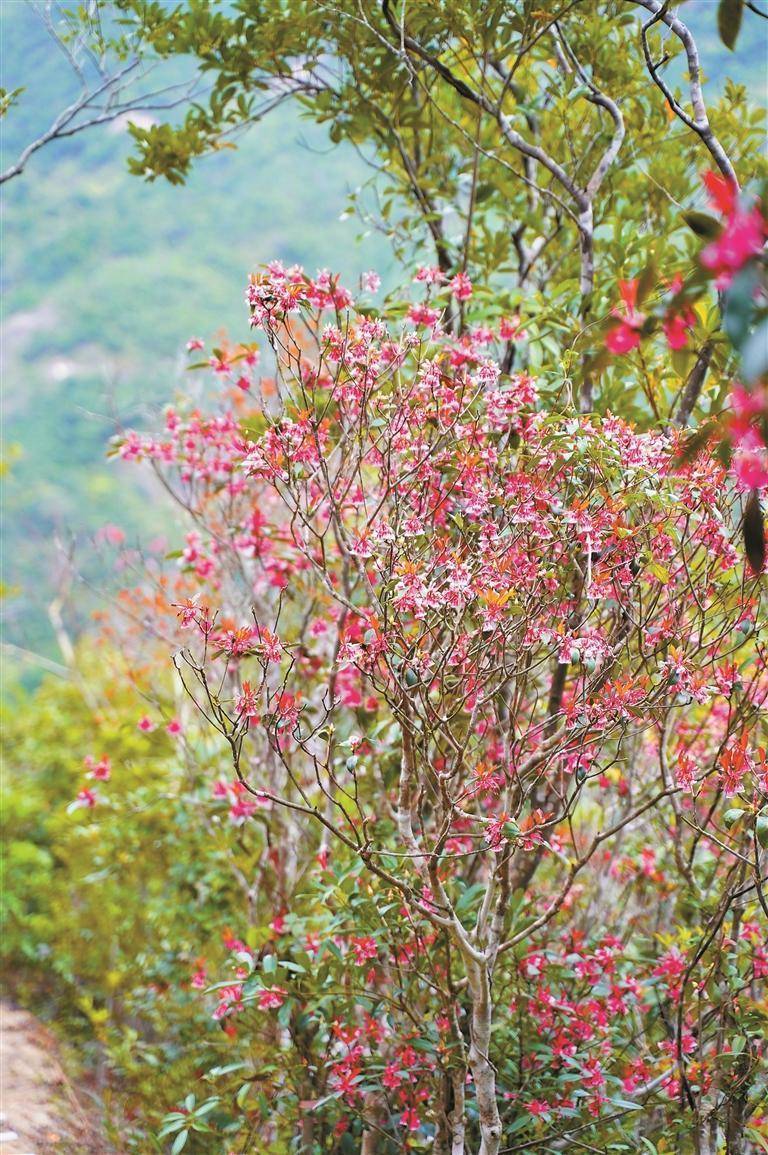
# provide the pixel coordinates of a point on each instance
(174, 727)
(247, 704)
(100, 770)
(670, 967)
(269, 645)
(735, 762)
(195, 343)
(287, 710)
(461, 287)
(371, 281)
(423, 315)
(199, 979)
(430, 275)
(746, 403)
(242, 808)
(751, 468)
(111, 534)
(146, 725)
(364, 949)
(743, 232)
(271, 997)
(741, 239)
(230, 999)
(686, 770)
(245, 803)
(511, 329)
(85, 800)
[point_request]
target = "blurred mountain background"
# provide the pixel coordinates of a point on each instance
(106, 277)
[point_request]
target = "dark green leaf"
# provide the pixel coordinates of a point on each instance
(648, 280)
(754, 533)
(729, 16)
(761, 830)
(702, 224)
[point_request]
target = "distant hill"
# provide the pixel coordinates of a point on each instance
(105, 277)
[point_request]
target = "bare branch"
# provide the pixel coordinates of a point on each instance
(699, 122)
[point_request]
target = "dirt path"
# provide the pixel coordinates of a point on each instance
(40, 1113)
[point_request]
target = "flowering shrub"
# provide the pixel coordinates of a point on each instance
(733, 260)
(489, 676)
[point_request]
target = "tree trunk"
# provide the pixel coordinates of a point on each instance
(483, 1071)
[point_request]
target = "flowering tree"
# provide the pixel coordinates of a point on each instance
(489, 674)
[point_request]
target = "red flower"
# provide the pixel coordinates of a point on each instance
(410, 1119)
(722, 192)
(626, 336)
(676, 328)
(271, 997)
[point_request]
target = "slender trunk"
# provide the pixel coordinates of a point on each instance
(483, 1070)
(693, 385)
(586, 286)
(375, 1115)
(525, 863)
(307, 1137)
(456, 1118)
(451, 1130)
(737, 1115)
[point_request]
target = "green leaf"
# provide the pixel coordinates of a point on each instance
(754, 355)
(215, 1072)
(729, 16)
(208, 1106)
(740, 305)
(648, 280)
(761, 830)
(754, 533)
(757, 1138)
(731, 817)
(702, 224)
(180, 1142)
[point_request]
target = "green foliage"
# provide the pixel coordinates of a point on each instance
(103, 909)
